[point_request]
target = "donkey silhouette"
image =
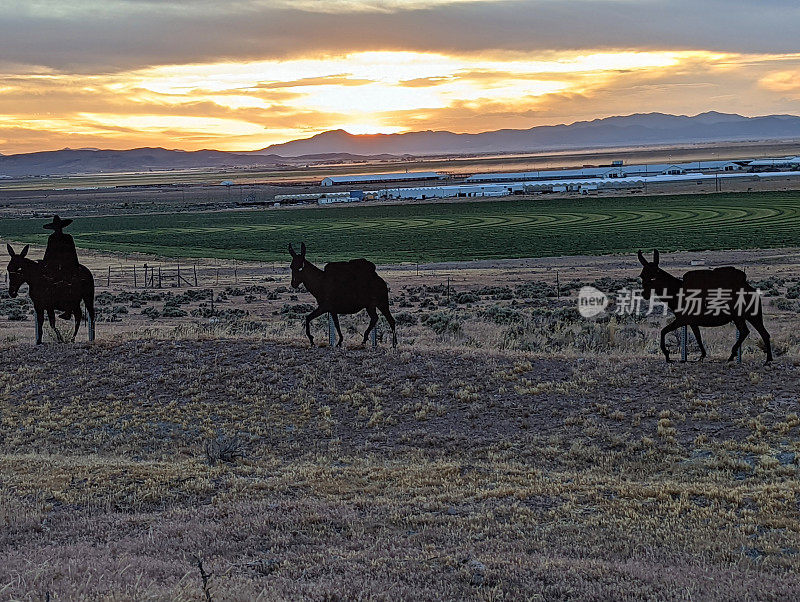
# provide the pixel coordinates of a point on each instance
(706, 298)
(343, 287)
(49, 294)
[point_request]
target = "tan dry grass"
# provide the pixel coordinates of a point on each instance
(433, 474)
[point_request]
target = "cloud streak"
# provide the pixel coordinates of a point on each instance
(113, 35)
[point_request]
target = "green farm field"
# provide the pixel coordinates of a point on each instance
(450, 231)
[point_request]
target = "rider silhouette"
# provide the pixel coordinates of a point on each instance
(60, 257)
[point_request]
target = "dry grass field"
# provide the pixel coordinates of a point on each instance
(508, 449)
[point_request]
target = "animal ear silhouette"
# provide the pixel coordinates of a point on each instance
(10, 250)
(642, 260)
(302, 249)
(291, 250)
(24, 251)
(655, 256)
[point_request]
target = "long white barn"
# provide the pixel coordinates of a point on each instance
(781, 162)
(617, 171)
(562, 184)
(377, 178)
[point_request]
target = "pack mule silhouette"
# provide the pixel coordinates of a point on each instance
(51, 296)
(726, 284)
(343, 287)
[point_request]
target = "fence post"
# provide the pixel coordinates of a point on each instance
(684, 336)
(108, 280)
(331, 332)
(159, 276)
(178, 277)
(195, 274)
(134, 276)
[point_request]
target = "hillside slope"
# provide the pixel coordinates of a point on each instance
(413, 474)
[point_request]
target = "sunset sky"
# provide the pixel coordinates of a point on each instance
(240, 75)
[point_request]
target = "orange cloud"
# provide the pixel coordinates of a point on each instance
(251, 104)
(782, 81)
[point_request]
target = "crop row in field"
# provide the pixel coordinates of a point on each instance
(451, 231)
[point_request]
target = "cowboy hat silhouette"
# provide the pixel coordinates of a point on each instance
(57, 223)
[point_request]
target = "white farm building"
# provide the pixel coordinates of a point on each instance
(777, 163)
(616, 171)
(573, 184)
(379, 178)
(431, 192)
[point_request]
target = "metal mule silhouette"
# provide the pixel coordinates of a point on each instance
(343, 287)
(712, 297)
(51, 295)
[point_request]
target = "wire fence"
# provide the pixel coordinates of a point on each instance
(184, 275)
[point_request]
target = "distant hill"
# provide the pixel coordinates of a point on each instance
(339, 146)
(91, 161)
(630, 130)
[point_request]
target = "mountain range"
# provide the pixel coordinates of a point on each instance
(69, 161)
(630, 130)
(645, 129)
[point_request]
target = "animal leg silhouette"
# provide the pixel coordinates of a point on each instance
(741, 326)
(699, 339)
(51, 317)
(88, 301)
(373, 319)
(39, 324)
(335, 318)
(314, 314)
(384, 307)
(674, 325)
(77, 313)
(758, 324)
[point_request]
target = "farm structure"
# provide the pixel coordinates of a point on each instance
(778, 163)
(614, 171)
(309, 197)
(572, 184)
(322, 198)
(430, 192)
(381, 178)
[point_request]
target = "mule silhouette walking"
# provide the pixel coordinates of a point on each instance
(706, 298)
(343, 287)
(51, 295)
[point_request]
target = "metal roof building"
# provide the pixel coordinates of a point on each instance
(430, 192)
(616, 171)
(380, 177)
(562, 184)
(776, 162)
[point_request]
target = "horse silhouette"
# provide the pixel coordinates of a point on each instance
(49, 294)
(706, 298)
(343, 287)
